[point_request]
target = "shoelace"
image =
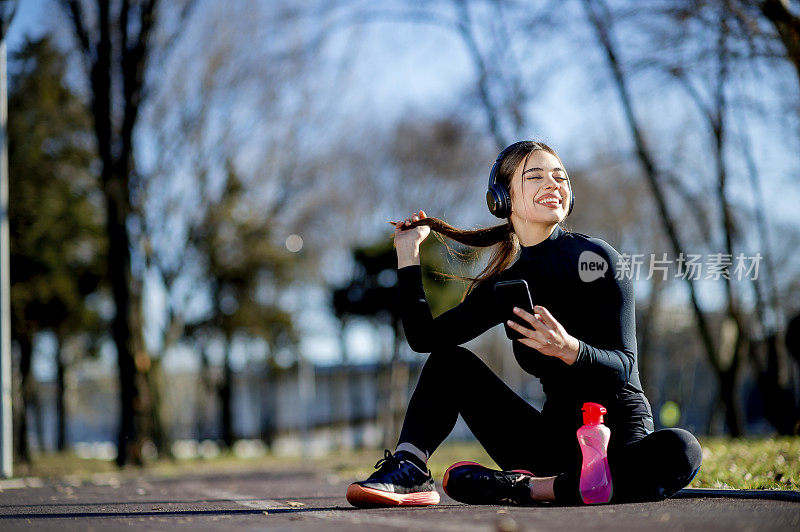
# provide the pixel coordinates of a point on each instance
(512, 483)
(387, 460)
(393, 464)
(508, 478)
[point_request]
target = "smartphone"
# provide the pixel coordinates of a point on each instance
(512, 294)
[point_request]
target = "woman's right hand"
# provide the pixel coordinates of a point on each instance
(407, 241)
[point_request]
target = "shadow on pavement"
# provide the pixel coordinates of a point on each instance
(768, 495)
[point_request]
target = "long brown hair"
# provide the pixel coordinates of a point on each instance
(501, 236)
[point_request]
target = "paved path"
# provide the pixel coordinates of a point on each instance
(310, 500)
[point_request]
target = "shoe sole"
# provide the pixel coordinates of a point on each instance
(362, 497)
(459, 464)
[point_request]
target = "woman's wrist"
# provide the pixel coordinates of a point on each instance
(572, 350)
(407, 257)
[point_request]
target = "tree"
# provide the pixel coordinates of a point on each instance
(55, 216)
(116, 50)
(728, 43)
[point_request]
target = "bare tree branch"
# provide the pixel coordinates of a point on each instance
(788, 26)
(598, 16)
(73, 7)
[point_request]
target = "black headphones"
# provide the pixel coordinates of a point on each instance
(498, 198)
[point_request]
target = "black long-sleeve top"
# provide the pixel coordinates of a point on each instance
(598, 312)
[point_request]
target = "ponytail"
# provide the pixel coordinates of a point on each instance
(502, 236)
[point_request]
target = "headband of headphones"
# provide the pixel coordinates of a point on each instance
(498, 198)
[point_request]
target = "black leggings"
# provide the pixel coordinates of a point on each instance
(517, 436)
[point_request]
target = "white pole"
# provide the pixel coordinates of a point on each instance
(6, 436)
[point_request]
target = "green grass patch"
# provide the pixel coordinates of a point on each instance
(750, 463)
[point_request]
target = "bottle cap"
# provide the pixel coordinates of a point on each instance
(593, 413)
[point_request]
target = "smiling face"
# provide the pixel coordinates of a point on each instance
(539, 191)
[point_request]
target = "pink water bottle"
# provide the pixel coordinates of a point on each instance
(593, 436)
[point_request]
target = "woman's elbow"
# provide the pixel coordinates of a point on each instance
(624, 374)
(618, 372)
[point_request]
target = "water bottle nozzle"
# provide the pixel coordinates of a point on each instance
(593, 413)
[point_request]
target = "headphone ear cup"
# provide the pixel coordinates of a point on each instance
(499, 201)
(498, 198)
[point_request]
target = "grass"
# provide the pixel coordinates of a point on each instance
(753, 463)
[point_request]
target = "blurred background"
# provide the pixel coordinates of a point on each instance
(199, 190)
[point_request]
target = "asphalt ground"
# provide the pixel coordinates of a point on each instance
(309, 498)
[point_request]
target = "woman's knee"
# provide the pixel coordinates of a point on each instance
(664, 462)
(456, 371)
(681, 457)
(684, 450)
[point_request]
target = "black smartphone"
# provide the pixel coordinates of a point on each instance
(512, 294)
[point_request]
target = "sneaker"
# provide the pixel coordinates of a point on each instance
(397, 482)
(472, 483)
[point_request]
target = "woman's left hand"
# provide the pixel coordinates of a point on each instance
(547, 336)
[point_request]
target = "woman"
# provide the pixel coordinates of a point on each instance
(580, 341)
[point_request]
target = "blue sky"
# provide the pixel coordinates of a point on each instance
(28, 20)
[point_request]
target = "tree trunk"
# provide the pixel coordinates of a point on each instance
(780, 406)
(729, 376)
(206, 388)
(61, 409)
(117, 202)
(25, 352)
(727, 393)
(225, 397)
(119, 275)
(155, 385)
(115, 148)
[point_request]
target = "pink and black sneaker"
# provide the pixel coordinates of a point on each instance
(472, 483)
(398, 481)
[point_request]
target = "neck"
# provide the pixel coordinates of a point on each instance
(531, 234)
